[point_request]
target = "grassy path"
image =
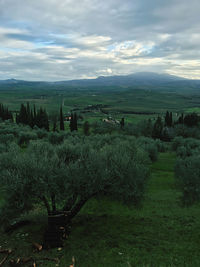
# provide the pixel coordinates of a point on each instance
(161, 233)
(175, 229)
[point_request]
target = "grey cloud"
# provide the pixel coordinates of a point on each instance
(71, 39)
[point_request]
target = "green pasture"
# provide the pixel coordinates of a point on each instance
(194, 109)
(132, 104)
(115, 102)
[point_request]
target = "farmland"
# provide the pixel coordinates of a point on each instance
(160, 231)
(131, 103)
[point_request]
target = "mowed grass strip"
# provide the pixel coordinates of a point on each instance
(108, 233)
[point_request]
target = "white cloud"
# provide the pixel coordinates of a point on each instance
(53, 40)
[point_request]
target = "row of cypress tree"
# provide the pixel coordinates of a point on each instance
(161, 128)
(168, 119)
(73, 121)
(39, 118)
(33, 117)
(5, 114)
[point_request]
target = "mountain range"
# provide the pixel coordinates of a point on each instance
(140, 79)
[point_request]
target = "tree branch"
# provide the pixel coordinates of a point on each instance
(46, 203)
(77, 208)
(53, 202)
(69, 204)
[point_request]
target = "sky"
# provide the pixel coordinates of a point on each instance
(53, 40)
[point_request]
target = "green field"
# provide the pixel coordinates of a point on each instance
(195, 109)
(116, 103)
(107, 233)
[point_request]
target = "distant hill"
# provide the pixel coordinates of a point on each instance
(140, 80)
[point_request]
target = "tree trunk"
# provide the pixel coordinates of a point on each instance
(57, 230)
(59, 224)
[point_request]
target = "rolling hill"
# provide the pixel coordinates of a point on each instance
(140, 80)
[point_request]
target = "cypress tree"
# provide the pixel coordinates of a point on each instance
(17, 118)
(71, 124)
(75, 122)
(1, 110)
(181, 119)
(54, 119)
(23, 118)
(191, 119)
(167, 119)
(62, 126)
(122, 123)
(5, 114)
(34, 115)
(54, 126)
(28, 111)
(42, 119)
(157, 129)
(46, 126)
(171, 119)
(31, 120)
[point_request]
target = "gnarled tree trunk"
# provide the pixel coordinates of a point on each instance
(57, 229)
(59, 223)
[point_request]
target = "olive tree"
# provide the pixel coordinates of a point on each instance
(187, 171)
(64, 177)
(150, 146)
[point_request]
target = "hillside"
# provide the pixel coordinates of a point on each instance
(141, 80)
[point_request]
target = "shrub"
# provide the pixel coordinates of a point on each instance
(149, 145)
(152, 151)
(41, 133)
(2, 148)
(186, 147)
(6, 138)
(25, 137)
(187, 172)
(177, 142)
(145, 128)
(131, 129)
(182, 130)
(104, 127)
(161, 146)
(56, 138)
(183, 152)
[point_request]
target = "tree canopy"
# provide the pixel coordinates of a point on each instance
(68, 175)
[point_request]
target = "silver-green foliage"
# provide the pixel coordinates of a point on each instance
(150, 146)
(56, 138)
(187, 173)
(26, 137)
(186, 147)
(187, 169)
(65, 176)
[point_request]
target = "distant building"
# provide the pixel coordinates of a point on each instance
(67, 118)
(111, 121)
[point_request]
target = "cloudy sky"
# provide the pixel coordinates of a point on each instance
(69, 39)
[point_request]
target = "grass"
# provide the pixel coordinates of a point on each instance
(107, 233)
(116, 101)
(194, 109)
(133, 104)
